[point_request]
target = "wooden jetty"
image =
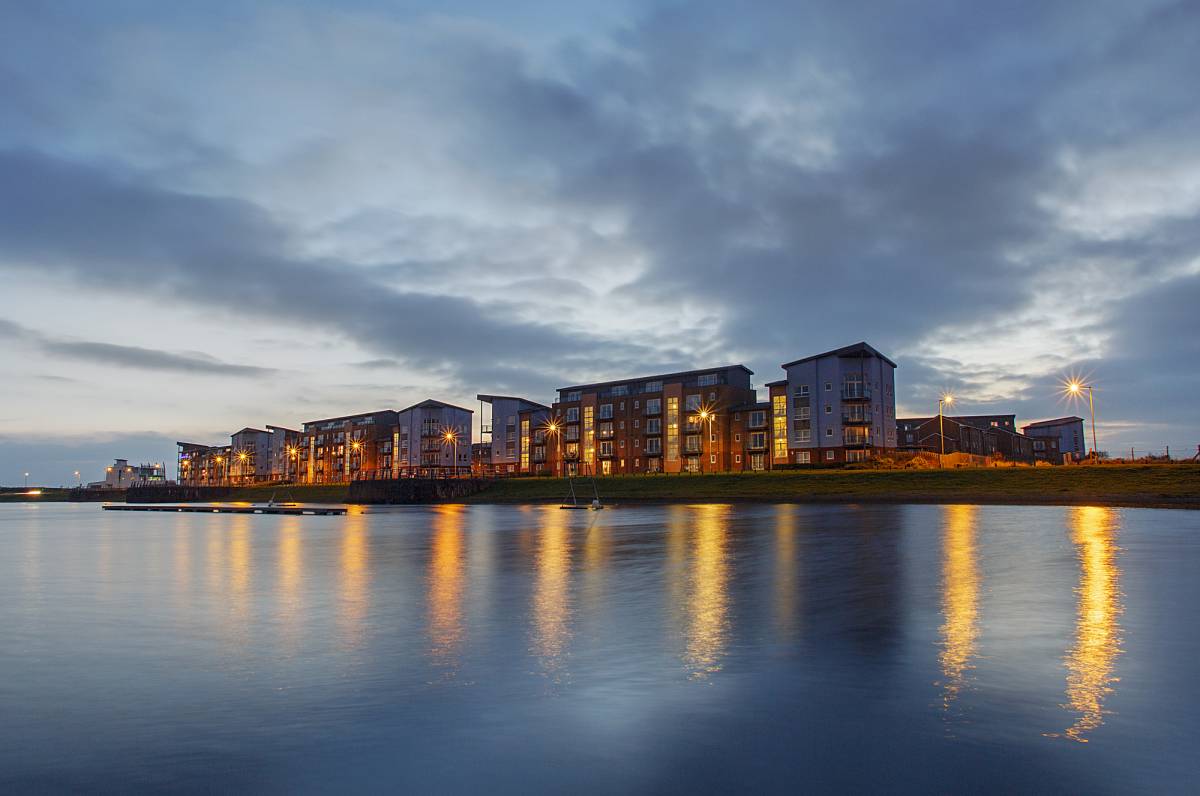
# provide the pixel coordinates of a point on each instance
(320, 511)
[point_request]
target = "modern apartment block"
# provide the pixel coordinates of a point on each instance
(431, 435)
(203, 465)
(510, 432)
(283, 453)
(1067, 430)
(672, 422)
(838, 406)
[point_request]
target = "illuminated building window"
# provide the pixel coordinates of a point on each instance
(780, 428)
(589, 435)
(672, 429)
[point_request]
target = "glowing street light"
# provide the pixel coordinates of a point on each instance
(451, 436)
(706, 415)
(944, 401)
(26, 480)
(554, 427)
(1074, 389)
(77, 478)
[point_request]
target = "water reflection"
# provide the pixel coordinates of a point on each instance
(1091, 660)
(699, 583)
(960, 598)
(551, 599)
(785, 572)
(291, 575)
(446, 581)
(354, 579)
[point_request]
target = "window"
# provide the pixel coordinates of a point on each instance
(804, 435)
(654, 425)
(606, 448)
(758, 419)
(693, 403)
(758, 440)
(672, 429)
(828, 409)
(708, 379)
(573, 395)
(621, 444)
(802, 391)
(692, 443)
(829, 456)
(606, 467)
(653, 446)
(828, 386)
(654, 406)
(589, 436)
(737, 459)
(653, 386)
(803, 413)
(780, 429)
(804, 457)
(829, 432)
(908, 437)
(573, 414)
(636, 423)
(622, 406)
(712, 458)
(620, 389)
(737, 437)
(637, 404)
(757, 462)
(606, 428)
(606, 411)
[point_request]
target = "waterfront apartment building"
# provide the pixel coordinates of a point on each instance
(251, 462)
(203, 465)
(510, 432)
(431, 437)
(339, 449)
(835, 407)
(1068, 431)
(283, 453)
(670, 423)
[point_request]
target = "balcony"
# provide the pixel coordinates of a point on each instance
(856, 440)
(856, 392)
(759, 445)
(856, 419)
(693, 450)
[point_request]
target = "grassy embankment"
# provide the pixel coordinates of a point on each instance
(1115, 485)
(1170, 486)
(21, 495)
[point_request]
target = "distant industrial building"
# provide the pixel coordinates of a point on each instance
(1067, 430)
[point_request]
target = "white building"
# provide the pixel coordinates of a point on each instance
(122, 475)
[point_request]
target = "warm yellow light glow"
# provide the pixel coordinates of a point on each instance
(960, 599)
(34, 492)
(354, 580)
(1091, 660)
(552, 595)
(948, 399)
(447, 584)
(709, 607)
(450, 435)
(243, 456)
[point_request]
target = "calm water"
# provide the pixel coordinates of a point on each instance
(519, 649)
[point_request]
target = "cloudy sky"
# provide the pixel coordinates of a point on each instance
(216, 214)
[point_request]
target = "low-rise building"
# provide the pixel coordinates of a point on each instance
(432, 437)
(1068, 431)
(341, 449)
(122, 475)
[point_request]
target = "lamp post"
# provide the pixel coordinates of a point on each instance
(356, 447)
(26, 480)
(451, 436)
(78, 480)
(1075, 388)
(219, 460)
(943, 402)
(706, 415)
(242, 457)
(292, 464)
(554, 428)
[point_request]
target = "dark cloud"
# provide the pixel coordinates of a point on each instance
(704, 183)
(128, 356)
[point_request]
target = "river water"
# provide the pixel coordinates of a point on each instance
(645, 649)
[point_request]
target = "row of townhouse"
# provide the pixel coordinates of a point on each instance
(428, 438)
(834, 407)
(991, 436)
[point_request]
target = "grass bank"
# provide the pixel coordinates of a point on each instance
(1168, 486)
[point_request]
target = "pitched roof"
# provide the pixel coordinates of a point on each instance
(490, 398)
(656, 377)
(856, 350)
(430, 403)
(1058, 421)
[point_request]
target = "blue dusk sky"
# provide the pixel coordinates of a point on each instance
(215, 215)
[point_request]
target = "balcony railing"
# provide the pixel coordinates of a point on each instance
(693, 450)
(856, 419)
(856, 392)
(851, 440)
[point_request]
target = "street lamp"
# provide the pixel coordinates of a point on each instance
(26, 480)
(242, 456)
(706, 414)
(944, 401)
(451, 436)
(293, 464)
(554, 428)
(1074, 389)
(219, 460)
(77, 478)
